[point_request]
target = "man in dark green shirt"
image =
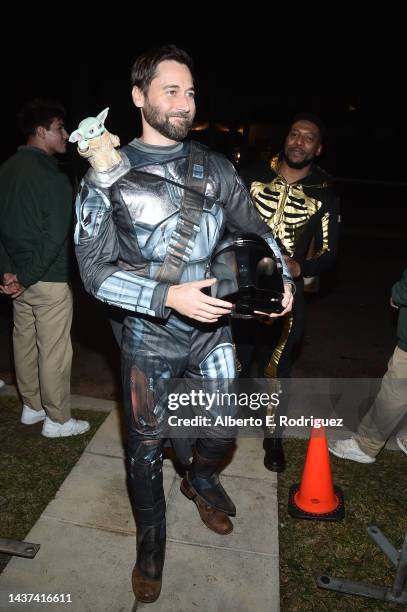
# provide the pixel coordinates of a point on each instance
(35, 222)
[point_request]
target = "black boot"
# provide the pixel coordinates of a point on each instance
(204, 482)
(274, 459)
(148, 501)
(147, 572)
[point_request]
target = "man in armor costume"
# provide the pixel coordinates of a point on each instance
(296, 199)
(132, 239)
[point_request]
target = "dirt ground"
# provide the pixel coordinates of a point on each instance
(350, 328)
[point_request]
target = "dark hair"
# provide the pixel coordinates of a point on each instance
(145, 67)
(37, 113)
(312, 119)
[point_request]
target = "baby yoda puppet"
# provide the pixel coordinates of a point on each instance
(96, 143)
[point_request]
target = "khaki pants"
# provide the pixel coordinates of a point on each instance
(42, 348)
(389, 408)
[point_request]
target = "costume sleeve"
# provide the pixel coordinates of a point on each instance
(241, 215)
(399, 291)
(326, 235)
(5, 263)
(97, 252)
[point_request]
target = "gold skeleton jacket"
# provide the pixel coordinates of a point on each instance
(297, 213)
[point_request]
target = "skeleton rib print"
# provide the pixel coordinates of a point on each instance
(285, 208)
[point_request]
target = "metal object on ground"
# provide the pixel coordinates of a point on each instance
(19, 548)
(399, 559)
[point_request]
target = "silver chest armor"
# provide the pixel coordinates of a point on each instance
(125, 222)
(153, 205)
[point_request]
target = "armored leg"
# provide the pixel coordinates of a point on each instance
(215, 356)
(147, 497)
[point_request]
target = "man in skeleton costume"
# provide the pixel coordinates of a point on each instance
(295, 198)
(144, 235)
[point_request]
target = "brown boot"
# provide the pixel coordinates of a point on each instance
(203, 480)
(147, 572)
(217, 521)
(145, 589)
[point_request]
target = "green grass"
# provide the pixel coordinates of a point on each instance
(32, 468)
(374, 494)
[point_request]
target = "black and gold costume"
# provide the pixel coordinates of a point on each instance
(301, 215)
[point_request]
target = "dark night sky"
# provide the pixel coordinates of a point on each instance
(251, 66)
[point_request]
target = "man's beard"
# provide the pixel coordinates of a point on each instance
(161, 122)
(297, 165)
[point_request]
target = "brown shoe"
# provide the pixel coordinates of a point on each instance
(145, 589)
(217, 521)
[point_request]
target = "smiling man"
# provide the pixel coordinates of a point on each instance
(144, 236)
(297, 201)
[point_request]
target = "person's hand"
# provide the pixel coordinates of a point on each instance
(11, 285)
(188, 300)
(392, 304)
(293, 266)
(286, 303)
(18, 290)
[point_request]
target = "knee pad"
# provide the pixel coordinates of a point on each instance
(145, 452)
(220, 362)
(146, 482)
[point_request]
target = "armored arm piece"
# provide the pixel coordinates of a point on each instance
(97, 252)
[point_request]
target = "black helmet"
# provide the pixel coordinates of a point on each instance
(248, 274)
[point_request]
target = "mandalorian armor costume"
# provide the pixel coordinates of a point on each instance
(126, 222)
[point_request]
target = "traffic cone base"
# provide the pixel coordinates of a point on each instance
(316, 497)
(337, 514)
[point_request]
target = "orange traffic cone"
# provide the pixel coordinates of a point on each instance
(316, 497)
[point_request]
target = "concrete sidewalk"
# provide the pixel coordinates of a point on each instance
(88, 543)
